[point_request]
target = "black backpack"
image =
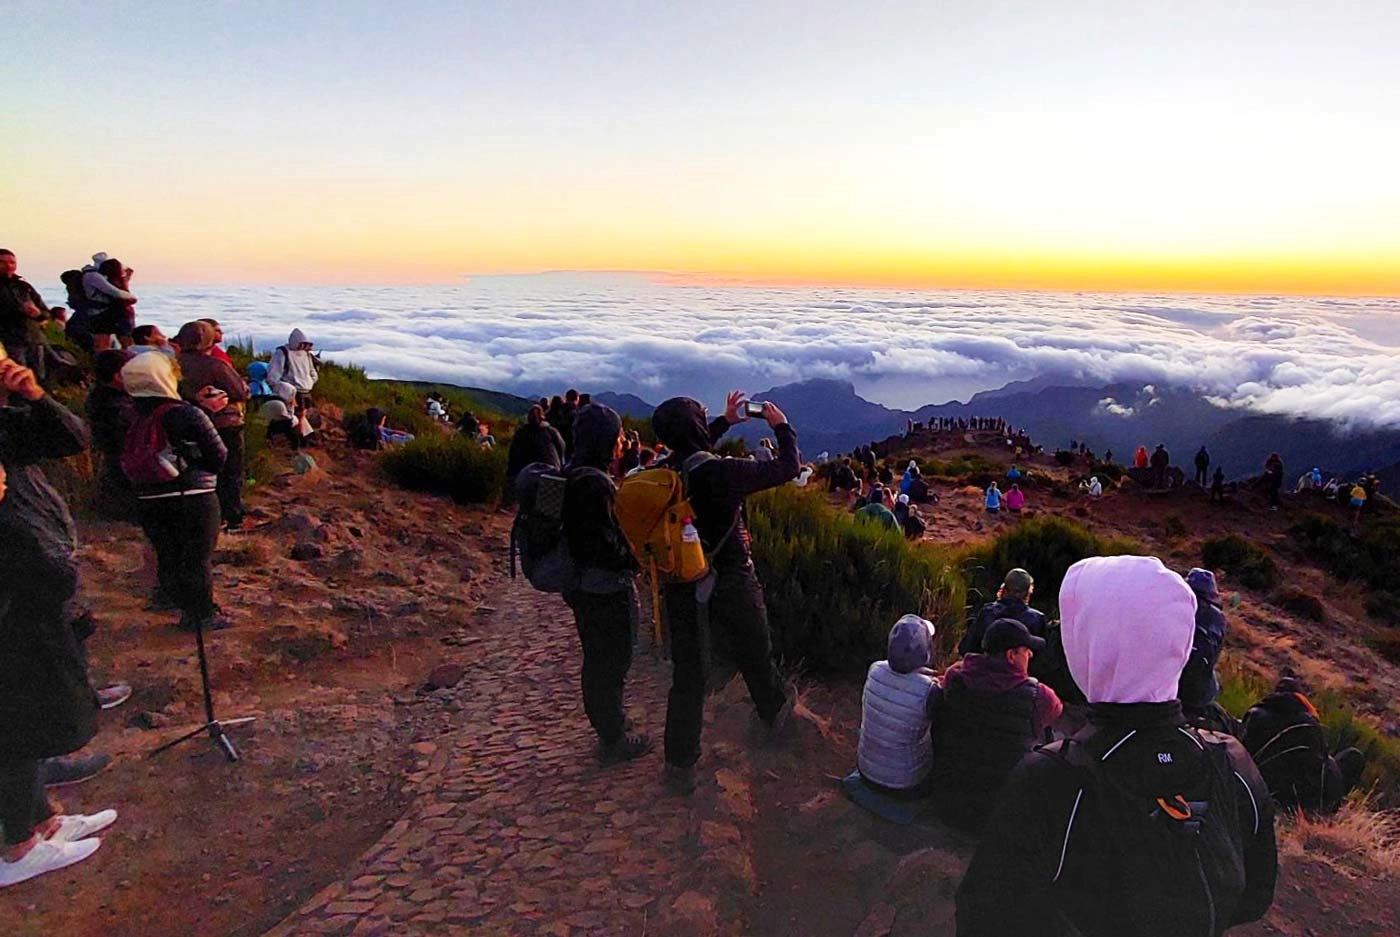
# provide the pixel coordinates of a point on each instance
(1176, 857)
(537, 535)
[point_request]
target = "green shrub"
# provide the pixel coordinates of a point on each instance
(1301, 603)
(1369, 557)
(1065, 457)
(1246, 563)
(835, 586)
(448, 464)
(1046, 547)
(1384, 607)
(1173, 527)
(1386, 642)
(1107, 471)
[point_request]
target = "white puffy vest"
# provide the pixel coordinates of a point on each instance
(894, 749)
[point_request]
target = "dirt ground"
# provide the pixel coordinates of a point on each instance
(367, 804)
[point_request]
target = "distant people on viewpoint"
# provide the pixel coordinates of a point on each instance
(1012, 601)
(1202, 466)
(146, 338)
(1273, 479)
(534, 441)
(894, 753)
(877, 511)
(910, 520)
(1161, 461)
(1093, 487)
(296, 364)
(1097, 835)
(1140, 458)
(603, 602)
(992, 498)
(986, 715)
(733, 599)
(1217, 486)
(1015, 499)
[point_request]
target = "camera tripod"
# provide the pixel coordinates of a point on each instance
(214, 727)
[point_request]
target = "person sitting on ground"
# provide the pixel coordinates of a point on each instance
(986, 715)
(296, 364)
(804, 476)
(435, 409)
(992, 498)
(1013, 473)
(843, 477)
(1199, 685)
(48, 707)
(1093, 487)
(110, 413)
(280, 414)
(886, 474)
(765, 451)
(1012, 601)
(1096, 835)
(1217, 485)
(146, 338)
(911, 472)
(176, 485)
(910, 520)
(919, 492)
(260, 389)
(532, 442)
(894, 754)
(1015, 499)
(372, 432)
(876, 510)
(1284, 734)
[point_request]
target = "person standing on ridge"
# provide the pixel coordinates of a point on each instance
(730, 597)
(200, 369)
(22, 312)
(1202, 467)
(1140, 457)
(1160, 462)
(1273, 479)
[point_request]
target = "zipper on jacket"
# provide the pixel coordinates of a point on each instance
(1205, 886)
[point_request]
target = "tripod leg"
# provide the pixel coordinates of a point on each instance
(217, 734)
(204, 671)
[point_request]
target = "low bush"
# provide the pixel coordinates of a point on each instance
(1173, 527)
(1369, 556)
(1046, 547)
(1065, 457)
(1384, 607)
(448, 464)
(1301, 603)
(835, 586)
(1245, 563)
(1386, 642)
(1107, 471)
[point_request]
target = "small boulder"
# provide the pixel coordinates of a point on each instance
(444, 675)
(306, 550)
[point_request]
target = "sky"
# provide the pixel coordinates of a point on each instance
(1187, 146)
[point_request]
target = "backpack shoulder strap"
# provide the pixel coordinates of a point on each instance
(692, 462)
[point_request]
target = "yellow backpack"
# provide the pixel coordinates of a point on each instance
(658, 521)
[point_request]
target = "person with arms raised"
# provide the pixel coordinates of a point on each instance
(731, 597)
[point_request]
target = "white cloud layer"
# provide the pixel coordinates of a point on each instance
(1327, 358)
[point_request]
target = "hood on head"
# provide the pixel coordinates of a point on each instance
(372, 416)
(680, 423)
(195, 337)
(1127, 624)
(151, 376)
(1202, 582)
(911, 644)
(296, 338)
(595, 435)
(257, 371)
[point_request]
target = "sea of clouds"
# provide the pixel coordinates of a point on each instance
(1317, 357)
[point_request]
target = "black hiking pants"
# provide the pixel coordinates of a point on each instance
(605, 631)
(231, 476)
(183, 531)
(1201, 476)
(737, 611)
(23, 803)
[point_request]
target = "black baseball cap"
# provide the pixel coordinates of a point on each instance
(1005, 633)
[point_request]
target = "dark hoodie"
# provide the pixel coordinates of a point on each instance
(1199, 685)
(717, 488)
(595, 538)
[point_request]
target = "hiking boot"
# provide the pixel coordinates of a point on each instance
(73, 769)
(631, 746)
(678, 779)
(46, 856)
(75, 827)
(110, 697)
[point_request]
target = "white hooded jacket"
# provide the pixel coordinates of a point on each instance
(292, 365)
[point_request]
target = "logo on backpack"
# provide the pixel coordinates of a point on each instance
(147, 458)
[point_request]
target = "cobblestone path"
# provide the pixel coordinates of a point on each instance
(515, 829)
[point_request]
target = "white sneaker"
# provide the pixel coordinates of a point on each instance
(46, 856)
(73, 827)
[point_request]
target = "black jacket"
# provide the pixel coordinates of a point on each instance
(1045, 860)
(1034, 621)
(1283, 733)
(590, 522)
(195, 441)
(47, 707)
(717, 488)
(110, 413)
(22, 336)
